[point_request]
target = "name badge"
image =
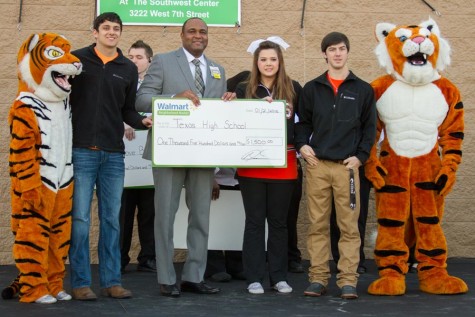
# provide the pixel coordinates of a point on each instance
(215, 72)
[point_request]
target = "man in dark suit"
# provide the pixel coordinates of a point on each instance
(175, 74)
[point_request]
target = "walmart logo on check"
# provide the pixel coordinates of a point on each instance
(173, 108)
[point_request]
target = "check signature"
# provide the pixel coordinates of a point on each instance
(254, 155)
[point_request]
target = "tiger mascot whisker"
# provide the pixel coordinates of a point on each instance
(41, 170)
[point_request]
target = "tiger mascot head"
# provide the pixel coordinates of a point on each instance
(413, 54)
(45, 64)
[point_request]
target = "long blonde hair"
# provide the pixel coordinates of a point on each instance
(282, 87)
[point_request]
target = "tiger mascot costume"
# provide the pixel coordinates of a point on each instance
(41, 170)
(421, 115)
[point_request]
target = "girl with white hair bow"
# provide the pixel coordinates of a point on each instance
(267, 192)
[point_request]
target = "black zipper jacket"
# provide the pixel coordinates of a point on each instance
(262, 92)
(337, 126)
(102, 98)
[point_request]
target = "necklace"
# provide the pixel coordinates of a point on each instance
(269, 93)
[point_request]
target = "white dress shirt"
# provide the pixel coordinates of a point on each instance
(203, 65)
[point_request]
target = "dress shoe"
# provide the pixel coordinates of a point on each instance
(199, 288)
(361, 269)
(169, 290)
(116, 291)
(295, 267)
(220, 277)
(149, 265)
(83, 293)
(239, 276)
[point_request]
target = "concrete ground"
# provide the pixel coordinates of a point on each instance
(233, 300)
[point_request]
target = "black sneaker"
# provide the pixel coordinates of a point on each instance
(220, 277)
(361, 269)
(348, 292)
(315, 290)
(147, 266)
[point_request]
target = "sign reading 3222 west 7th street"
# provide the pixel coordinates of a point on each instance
(225, 13)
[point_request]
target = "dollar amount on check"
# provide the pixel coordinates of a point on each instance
(238, 133)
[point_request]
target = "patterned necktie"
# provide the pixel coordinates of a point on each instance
(199, 83)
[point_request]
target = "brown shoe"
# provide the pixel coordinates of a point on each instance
(116, 291)
(83, 293)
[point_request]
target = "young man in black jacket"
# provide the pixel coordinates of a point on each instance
(103, 98)
(335, 134)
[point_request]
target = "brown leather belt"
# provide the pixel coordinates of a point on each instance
(333, 161)
(95, 148)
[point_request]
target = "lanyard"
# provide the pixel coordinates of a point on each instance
(352, 190)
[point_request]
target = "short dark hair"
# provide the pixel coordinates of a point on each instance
(106, 16)
(141, 44)
(232, 82)
(334, 38)
(194, 18)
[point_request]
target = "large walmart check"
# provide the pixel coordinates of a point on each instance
(238, 133)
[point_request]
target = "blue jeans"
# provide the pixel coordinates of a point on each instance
(106, 171)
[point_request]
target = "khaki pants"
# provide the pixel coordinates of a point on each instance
(326, 182)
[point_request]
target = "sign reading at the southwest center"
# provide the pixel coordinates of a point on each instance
(225, 13)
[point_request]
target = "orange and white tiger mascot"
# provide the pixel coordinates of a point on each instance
(41, 169)
(421, 115)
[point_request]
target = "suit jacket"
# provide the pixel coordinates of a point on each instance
(170, 74)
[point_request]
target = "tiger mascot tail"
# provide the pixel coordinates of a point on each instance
(41, 170)
(422, 116)
(12, 290)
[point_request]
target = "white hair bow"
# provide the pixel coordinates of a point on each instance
(275, 39)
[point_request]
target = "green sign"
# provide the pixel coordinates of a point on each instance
(174, 12)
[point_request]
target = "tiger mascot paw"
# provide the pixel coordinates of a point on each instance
(388, 285)
(375, 172)
(33, 197)
(438, 281)
(445, 180)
